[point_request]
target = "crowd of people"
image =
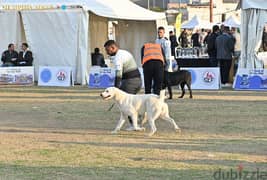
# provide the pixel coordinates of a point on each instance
(221, 44)
(11, 57)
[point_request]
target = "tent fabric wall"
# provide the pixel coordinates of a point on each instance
(11, 30)
(83, 58)
(131, 35)
(253, 21)
(53, 36)
(98, 32)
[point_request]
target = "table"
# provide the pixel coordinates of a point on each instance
(193, 62)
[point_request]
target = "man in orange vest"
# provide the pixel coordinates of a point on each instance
(153, 60)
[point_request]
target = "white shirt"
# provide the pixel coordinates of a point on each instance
(124, 62)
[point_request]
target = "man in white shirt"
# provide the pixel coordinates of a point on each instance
(166, 46)
(127, 75)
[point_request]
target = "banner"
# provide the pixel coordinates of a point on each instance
(101, 77)
(17, 75)
(55, 76)
(178, 23)
(255, 79)
(204, 78)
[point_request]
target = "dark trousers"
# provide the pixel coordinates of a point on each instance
(225, 65)
(153, 73)
(131, 86)
(213, 60)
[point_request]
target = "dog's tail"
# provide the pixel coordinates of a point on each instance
(162, 95)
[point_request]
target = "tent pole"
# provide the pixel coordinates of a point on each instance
(211, 10)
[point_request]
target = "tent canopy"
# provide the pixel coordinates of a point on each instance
(62, 32)
(119, 9)
(258, 4)
(231, 22)
(195, 22)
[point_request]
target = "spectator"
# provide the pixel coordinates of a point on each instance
(98, 58)
(174, 43)
(211, 46)
(206, 37)
(264, 39)
(183, 39)
(9, 57)
(166, 46)
(225, 48)
(202, 36)
(25, 56)
(195, 39)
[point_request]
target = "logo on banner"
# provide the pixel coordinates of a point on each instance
(208, 77)
(46, 75)
(61, 75)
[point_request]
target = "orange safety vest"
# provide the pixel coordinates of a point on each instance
(152, 51)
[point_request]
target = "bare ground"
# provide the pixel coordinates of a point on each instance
(64, 133)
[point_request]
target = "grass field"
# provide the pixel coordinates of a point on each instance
(64, 133)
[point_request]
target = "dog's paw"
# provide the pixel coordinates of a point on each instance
(143, 129)
(178, 130)
(151, 134)
(114, 132)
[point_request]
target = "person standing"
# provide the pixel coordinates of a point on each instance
(264, 39)
(211, 46)
(25, 56)
(166, 46)
(195, 39)
(225, 48)
(152, 56)
(183, 39)
(10, 56)
(127, 75)
(174, 43)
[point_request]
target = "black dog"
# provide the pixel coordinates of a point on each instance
(182, 77)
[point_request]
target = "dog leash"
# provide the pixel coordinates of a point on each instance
(112, 105)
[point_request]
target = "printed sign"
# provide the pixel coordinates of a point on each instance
(204, 78)
(255, 79)
(55, 76)
(17, 75)
(101, 77)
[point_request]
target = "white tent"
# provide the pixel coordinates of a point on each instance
(231, 22)
(63, 33)
(195, 22)
(253, 19)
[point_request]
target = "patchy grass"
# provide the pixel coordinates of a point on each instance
(64, 133)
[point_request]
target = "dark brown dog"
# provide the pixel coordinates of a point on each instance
(182, 77)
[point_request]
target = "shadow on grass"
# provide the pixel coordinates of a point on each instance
(9, 171)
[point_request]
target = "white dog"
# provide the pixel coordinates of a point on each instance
(149, 105)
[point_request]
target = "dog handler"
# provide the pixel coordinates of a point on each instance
(153, 67)
(127, 75)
